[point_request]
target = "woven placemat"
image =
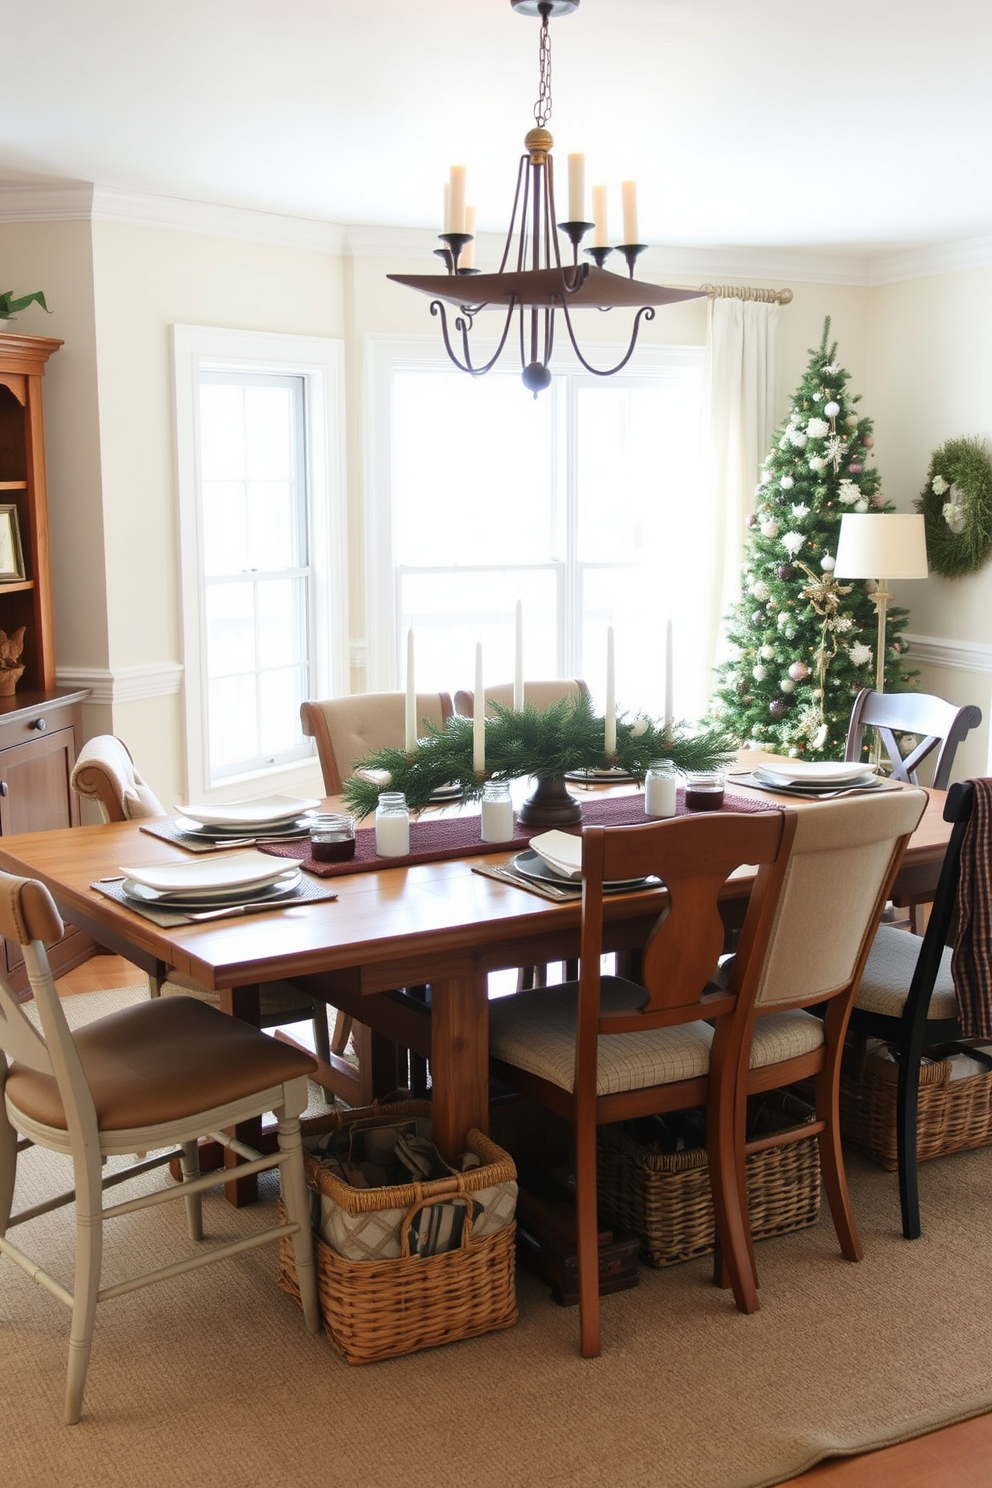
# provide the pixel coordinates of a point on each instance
(458, 836)
(169, 830)
(307, 891)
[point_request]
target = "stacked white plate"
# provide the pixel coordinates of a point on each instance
(814, 776)
(272, 816)
(234, 878)
(557, 857)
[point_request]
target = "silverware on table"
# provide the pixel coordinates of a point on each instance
(520, 881)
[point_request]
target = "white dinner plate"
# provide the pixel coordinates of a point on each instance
(812, 772)
(215, 899)
(446, 792)
(271, 811)
(616, 776)
(532, 865)
(298, 827)
(239, 870)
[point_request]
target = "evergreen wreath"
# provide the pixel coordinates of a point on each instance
(536, 741)
(956, 503)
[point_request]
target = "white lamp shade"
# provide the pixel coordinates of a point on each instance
(881, 545)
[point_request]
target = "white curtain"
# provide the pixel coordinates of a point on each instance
(740, 381)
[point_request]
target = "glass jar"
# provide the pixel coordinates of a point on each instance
(332, 837)
(703, 790)
(497, 812)
(659, 788)
(392, 825)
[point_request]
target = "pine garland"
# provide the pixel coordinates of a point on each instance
(542, 742)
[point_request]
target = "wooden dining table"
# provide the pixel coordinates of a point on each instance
(436, 922)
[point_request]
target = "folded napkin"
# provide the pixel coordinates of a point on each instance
(561, 851)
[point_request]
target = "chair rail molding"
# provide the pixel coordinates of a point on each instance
(124, 684)
(962, 656)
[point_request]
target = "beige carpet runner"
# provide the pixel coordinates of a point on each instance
(210, 1378)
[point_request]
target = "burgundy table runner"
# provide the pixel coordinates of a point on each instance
(435, 838)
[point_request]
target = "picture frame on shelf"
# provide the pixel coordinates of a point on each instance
(11, 552)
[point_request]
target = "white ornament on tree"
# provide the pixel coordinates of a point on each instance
(827, 563)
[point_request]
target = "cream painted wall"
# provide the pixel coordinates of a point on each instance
(917, 351)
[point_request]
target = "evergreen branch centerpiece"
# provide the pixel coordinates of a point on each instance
(541, 742)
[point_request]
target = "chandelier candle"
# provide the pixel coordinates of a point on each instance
(599, 237)
(576, 188)
(457, 203)
(628, 191)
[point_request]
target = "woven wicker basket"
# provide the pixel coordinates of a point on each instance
(952, 1115)
(375, 1310)
(664, 1198)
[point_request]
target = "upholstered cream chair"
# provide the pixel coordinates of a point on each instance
(105, 773)
(346, 729)
(607, 1049)
(156, 1075)
(536, 695)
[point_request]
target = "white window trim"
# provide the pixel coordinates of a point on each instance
(384, 353)
(320, 362)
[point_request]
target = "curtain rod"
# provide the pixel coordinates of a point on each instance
(746, 292)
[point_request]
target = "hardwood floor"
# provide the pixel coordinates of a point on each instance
(958, 1457)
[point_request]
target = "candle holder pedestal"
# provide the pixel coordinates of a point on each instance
(550, 805)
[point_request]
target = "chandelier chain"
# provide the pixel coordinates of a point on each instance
(542, 108)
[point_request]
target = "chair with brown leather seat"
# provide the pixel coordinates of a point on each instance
(155, 1077)
(105, 773)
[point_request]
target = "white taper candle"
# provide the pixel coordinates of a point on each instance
(669, 675)
(599, 239)
(628, 190)
(518, 659)
(610, 739)
(576, 188)
(479, 717)
(410, 711)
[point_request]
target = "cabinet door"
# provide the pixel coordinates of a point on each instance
(35, 794)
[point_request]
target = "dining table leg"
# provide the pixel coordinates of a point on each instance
(459, 1061)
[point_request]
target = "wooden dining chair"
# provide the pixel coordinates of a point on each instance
(906, 997)
(348, 729)
(932, 726)
(606, 1049)
(536, 695)
(154, 1077)
(105, 773)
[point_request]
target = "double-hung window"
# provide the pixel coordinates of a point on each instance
(582, 504)
(262, 548)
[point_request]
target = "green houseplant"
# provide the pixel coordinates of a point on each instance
(10, 304)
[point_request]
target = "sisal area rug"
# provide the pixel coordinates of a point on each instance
(211, 1378)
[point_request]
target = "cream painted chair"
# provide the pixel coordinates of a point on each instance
(536, 695)
(346, 729)
(105, 773)
(158, 1075)
(608, 1049)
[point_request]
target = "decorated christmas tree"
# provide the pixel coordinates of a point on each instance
(801, 642)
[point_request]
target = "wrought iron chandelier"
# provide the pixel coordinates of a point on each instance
(538, 284)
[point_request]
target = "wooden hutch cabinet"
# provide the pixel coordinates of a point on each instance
(40, 726)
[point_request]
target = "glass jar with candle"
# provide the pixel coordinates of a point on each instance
(497, 812)
(659, 788)
(392, 825)
(332, 837)
(703, 790)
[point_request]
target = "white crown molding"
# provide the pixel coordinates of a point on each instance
(83, 201)
(925, 263)
(126, 684)
(961, 656)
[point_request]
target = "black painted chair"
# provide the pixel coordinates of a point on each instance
(906, 997)
(936, 724)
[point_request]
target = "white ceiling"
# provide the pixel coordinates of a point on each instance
(853, 126)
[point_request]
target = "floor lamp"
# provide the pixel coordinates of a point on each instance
(876, 544)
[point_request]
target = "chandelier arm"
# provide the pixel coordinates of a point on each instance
(521, 180)
(645, 313)
(463, 325)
